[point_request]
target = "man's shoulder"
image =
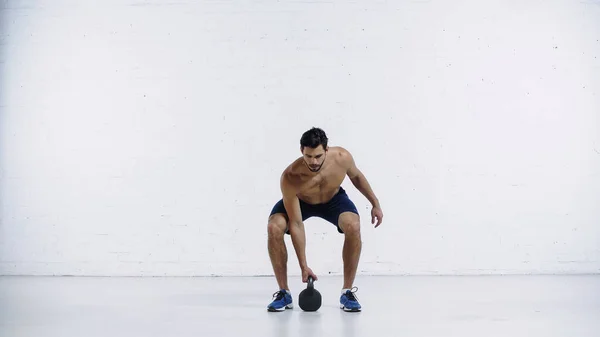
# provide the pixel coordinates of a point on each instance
(291, 172)
(293, 167)
(341, 154)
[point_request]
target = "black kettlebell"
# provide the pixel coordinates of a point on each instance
(310, 298)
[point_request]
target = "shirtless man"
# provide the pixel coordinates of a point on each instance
(311, 187)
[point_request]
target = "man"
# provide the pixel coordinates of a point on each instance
(311, 187)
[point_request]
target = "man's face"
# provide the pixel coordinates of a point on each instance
(314, 158)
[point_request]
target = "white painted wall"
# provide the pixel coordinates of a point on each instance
(147, 137)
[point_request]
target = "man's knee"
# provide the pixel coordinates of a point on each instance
(277, 225)
(350, 225)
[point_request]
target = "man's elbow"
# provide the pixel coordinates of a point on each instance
(356, 179)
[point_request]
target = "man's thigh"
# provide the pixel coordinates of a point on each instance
(340, 210)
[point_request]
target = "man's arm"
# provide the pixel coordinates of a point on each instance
(359, 181)
(296, 226)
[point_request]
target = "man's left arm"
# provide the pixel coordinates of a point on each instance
(361, 183)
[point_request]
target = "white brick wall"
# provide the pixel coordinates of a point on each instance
(147, 137)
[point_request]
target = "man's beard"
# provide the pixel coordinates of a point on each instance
(318, 167)
(315, 169)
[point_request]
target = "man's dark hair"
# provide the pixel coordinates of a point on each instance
(313, 138)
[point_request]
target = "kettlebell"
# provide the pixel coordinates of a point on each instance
(310, 298)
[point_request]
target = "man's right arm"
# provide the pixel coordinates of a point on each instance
(296, 226)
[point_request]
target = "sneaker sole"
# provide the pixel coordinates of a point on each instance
(289, 306)
(349, 309)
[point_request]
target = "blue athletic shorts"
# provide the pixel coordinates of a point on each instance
(329, 211)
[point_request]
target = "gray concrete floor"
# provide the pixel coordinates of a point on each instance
(236, 306)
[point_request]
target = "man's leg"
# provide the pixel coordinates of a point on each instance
(349, 223)
(277, 250)
(278, 253)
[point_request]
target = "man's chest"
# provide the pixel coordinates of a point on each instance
(321, 182)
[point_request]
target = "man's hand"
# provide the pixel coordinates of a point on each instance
(306, 272)
(376, 213)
